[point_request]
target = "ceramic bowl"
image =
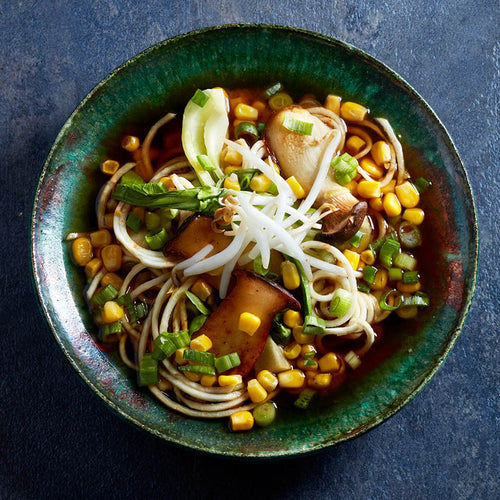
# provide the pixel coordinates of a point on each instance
(162, 79)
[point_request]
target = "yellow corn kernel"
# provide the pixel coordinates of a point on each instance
(208, 380)
(268, 380)
(111, 256)
(307, 349)
(292, 318)
(193, 376)
(352, 257)
(290, 274)
(371, 168)
(408, 287)
(260, 183)
(111, 312)
(229, 380)
(354, 144)
(232, 182)
(241, 420)
(389, 187)
(168, 183)
(368, 257)
(139, 212)
(311, 366)
(352, 187)
(109, 167)
(408, 194)
(164, 385)
(376, 204)
(391, 205)
(201, 289)
(259, 106)
(82, 251)
(381, 152)
(93, 267)
(201, 343)
(130, 143)
(353, 111)
(332, 102)
(329, 362)
(179, 356)
(414, 215)
(299, 336)
(361, 266)
(245, 112)
(319, 380)
(233, 158)
(248, 323)
(271, 163)
(381, 277)
(108, 220)
(256, 392)
(216, 272)
(369, 189)
(297, 189)
(112, 279)
(235, 101)
(292, 351)
(407, 312)
(100, 238)
(291, 379)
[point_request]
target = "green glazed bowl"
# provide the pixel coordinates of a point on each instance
(162, 79)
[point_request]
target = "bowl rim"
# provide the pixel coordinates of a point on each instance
(459, 168)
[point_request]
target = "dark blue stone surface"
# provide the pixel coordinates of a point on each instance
(58, 440)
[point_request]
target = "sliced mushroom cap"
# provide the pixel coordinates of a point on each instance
(300, 155)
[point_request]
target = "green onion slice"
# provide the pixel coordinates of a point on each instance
(297, 126)
(180, 338)
(204, 358)
(108, 293)
(280, 100)
(264, 414)
(313, 325)
(304, 399)
(133, 222)
(405, 261)
(341, 302)
(369, 274)
(388, 250)
(131, 178)
(203, 369)
(195, 300)
(246, 128)
(196, 323)
(417, 299)
(152, 221)
(345, 168)
(383, 301)
(363, 287)
(148, 370)
(395, 274)
(206, 163)
(280, 333)
(273, 89)
(200, 98)
(163, 347)
(157, 240)
(109, 330)
(410, 277)
(356, 239)
(225, 363)
(422, 184)
(409, 234)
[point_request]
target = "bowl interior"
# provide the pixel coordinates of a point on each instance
(162, 79)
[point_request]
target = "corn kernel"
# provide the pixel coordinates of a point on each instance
(352, 257)
(108, 220)
(111, 312)
(139, 212)
(408, 194)
(292, 318)
(354, 144)
(248, 323)
(260, 183)
(193, 376)
(229, 380)
(414, 215)
(179, 356)
(292, 351)
(299, 336)
(376, 204)
(361, 266)
(290, 273)
(245, 112)
(307, 365)
(381, 152)
(391, 205)
(232, 182)
(332, 102)
(235, 101)
(408, 287)
(297, 189)
(241, 420)
(112, 279)
(232, 157)
(319, 380)
(201, 343)
(352, 187)
(389, 187)
(130, 143)
(111, 256)
(109, 167)
(201, 289)
(329, 362)
(82, 251)
(291, 379)
(353, 111)
(168, 183)
(381, 277)
(369, 189)
(93, 267)
(268, 380)
(208, 380)
(164, 385)
(371, 168)
(100, 238)
(259, 106)
(368, 257)
(407, 312)
(256, 392)
(307, 350)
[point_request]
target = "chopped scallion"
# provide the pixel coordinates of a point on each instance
(422, 184)
(109, 330)
(356, 239)
(206, 163)
(395, 274)
(405, 261)
(133, 222)
(409, 235)
(345, 168)
(340, 303)
(313, 325)
(203, 369)
(273, 89)
(246, 128)
(383, 301)
(264, 414)
(304, 399)
(152, 221)
(363, 287)
(225, 363)
(180, 338)
(369, 273)
(280, 333)
(200, 98)
(417, 299)
(164, 347)
(157, 240)
(196, 323)
(297, 126)
(389, 249)
(148, 370)
(195, 300)
(204, 358)
(109, 292)
(410, 277)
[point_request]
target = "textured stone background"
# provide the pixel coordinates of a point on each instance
(442, 444)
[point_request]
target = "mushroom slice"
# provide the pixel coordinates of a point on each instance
(300, 155)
